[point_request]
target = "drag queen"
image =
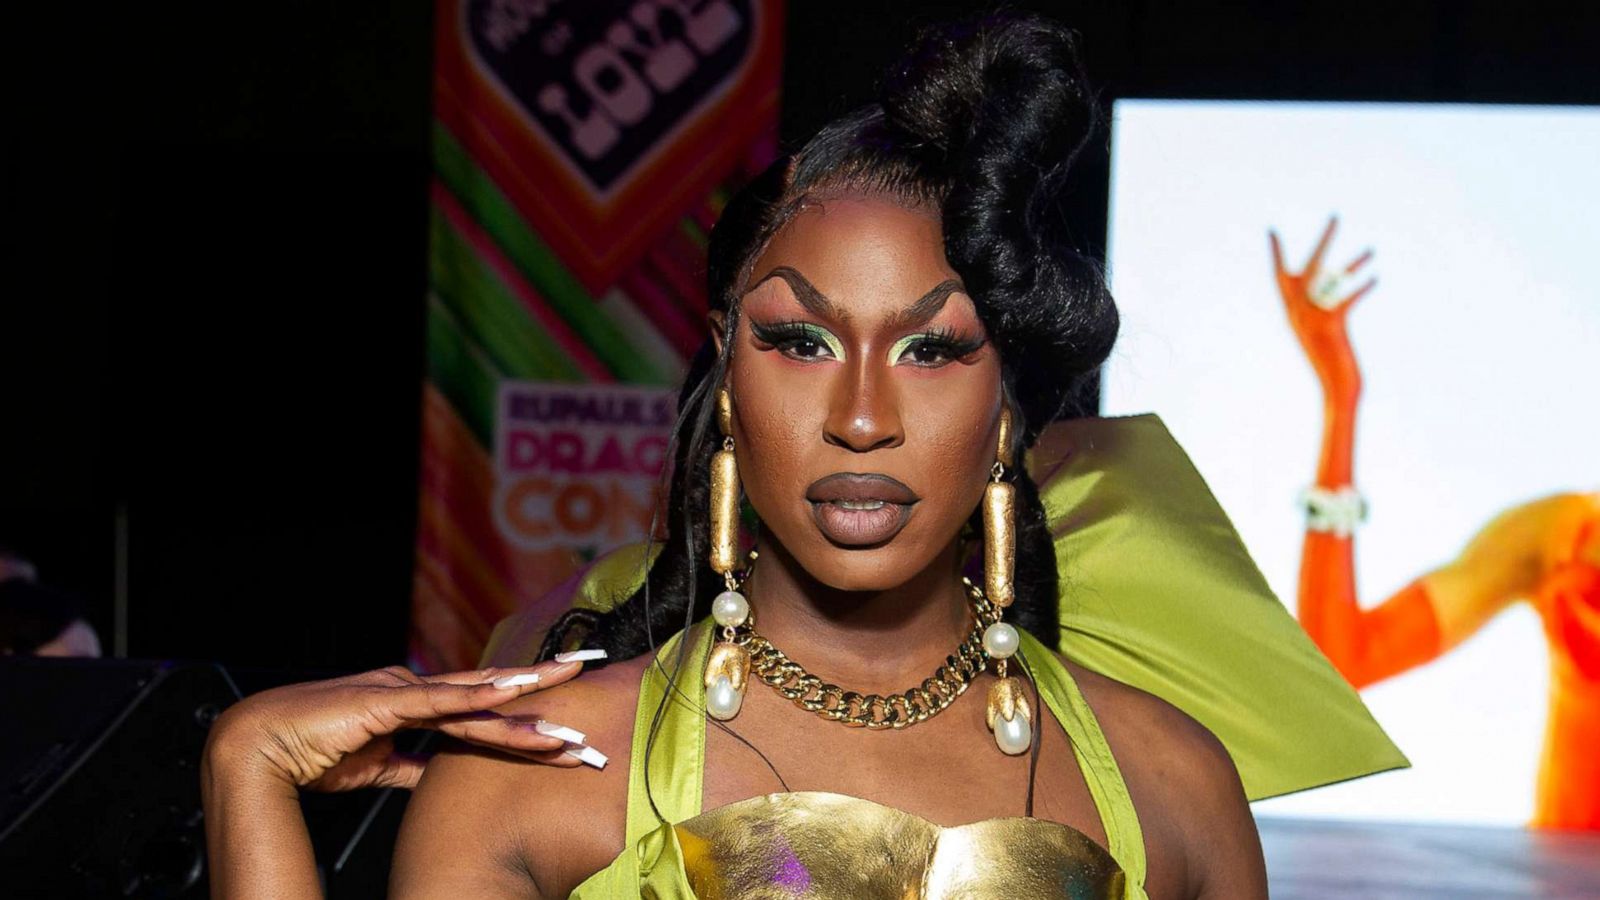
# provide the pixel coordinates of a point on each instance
(947, 652)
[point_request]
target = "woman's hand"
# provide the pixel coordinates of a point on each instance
(337, 735)
(1317, 314)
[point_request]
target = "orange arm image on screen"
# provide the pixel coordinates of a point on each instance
(1545, 552)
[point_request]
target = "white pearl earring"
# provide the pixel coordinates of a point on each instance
(728, 669)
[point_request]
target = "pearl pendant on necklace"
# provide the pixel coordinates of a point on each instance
(1009, 715)
(722, 699)
(1014, 735)
(728, 669)
(1001, 640)
(730, 609)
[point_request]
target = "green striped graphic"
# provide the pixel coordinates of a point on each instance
(490, 315)
(482, 199)
(461, 372)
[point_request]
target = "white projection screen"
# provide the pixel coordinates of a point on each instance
(1479, 350)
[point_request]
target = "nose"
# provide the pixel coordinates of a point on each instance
(863, 410)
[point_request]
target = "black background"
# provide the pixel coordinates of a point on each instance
(215, 266)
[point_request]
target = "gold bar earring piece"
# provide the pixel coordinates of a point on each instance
(1008, 715)
(728, 668)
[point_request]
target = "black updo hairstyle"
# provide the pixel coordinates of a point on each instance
(980, 120)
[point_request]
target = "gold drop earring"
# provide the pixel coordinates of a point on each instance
(728, 668)
(1009, 715)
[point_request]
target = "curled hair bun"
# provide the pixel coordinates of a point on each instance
(999, 107)
(1009, 84)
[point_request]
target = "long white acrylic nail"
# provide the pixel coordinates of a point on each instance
(588, 755)
(505, 681)
(570, 735)
(580, 655)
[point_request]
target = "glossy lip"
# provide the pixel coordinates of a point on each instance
(860, 527)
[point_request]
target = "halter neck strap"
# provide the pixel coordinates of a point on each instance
(670, 769)
(1060, 693)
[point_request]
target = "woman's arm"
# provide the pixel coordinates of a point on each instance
(1225, 848)
(1200, 837)
(464, 833)
(1506, 561)
(255, 836)
(488, 825)
(335, 735)
(1365, 645)
(1403, 631)
(1499, 566)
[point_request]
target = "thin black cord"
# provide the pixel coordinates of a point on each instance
(1038, 736)
(674, 688)
(723, 726)
(672, 679)
(672, 684)
(697, 397)
(741, 739)
(696, 401)
(727, 729)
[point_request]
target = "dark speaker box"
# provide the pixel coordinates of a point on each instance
(100, 783)
(100, 768)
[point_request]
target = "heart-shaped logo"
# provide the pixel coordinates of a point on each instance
(604, 83)
(602, 121)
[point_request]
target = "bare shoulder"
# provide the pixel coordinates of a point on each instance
(479, 815)
(1200, 837)
(1161, 740)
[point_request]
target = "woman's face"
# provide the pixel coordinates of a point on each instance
(866, 395)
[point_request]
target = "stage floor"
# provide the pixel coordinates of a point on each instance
(1382, 861)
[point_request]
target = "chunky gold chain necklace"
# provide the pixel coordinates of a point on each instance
(918, 704)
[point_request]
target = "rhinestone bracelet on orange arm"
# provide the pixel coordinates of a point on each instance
(1402, 632)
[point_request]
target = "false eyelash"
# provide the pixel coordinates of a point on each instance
(785, 335)
(782, 330)
(950, 342)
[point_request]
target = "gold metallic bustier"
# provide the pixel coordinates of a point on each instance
(824, 845)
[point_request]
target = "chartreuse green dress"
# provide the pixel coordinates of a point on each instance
(1157, 591)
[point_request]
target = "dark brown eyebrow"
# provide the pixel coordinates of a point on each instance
(927, 306)
(804, 291)
(923, 310)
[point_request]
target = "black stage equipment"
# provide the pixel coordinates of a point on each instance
(100, 768)
(100, 783)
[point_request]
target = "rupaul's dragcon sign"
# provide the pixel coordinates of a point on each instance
(579, 465)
